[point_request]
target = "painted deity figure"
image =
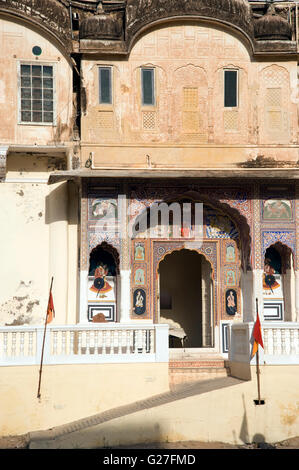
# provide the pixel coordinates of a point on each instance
(139, 276)
(100, 285)
(230, 253)
(139, 299)
(269, 281)
(231, 307)
(139, 253)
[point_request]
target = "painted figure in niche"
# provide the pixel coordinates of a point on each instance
(139, 277)
(231, 302)
(139, 253)
(104, 208)
(100, 285)
(269, 281)
(139, 302)
(230, 278)
(230, 256)
(277, 209)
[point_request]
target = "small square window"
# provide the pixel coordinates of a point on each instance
(230, 88)
(105, 85)
(36, 93)
(148, 86)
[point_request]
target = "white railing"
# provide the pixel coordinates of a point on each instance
(281, 343)
(73, 344)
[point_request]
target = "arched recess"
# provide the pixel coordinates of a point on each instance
(241, 222)
(222, 250)
(186, 294)
(103, 283)
(279, 283)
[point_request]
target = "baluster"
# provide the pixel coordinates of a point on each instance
(128, 341)
(266, 340)
(80, 343)
(288, 339)
(111, 339)
(144, 341)
(296, 341)
(276, 341)
(72, 340)
(138, 339)
(135, 341)
(13, 344)
(87, 333)
(119, 338)
(270, 341)
(5, 345)
(63, 333)
(22, 337)
(104, 342)
(283, 341)
(55, 340)
(30, 343)
(96, 342)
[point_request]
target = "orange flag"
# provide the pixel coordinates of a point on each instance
(50, 309)
(257, 335)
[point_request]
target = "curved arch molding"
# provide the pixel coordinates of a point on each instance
(50, 16)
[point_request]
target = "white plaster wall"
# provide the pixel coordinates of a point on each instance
(36, 242)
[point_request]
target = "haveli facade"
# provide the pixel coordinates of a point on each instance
(111, 107)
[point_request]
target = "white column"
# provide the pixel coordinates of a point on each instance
(297, 295)
(247, 292)
(125, 295)
(83, 296)
(258, 293)
(58, 263)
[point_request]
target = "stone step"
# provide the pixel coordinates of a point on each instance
(188, 371)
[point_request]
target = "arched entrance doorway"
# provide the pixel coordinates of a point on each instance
(186, 298)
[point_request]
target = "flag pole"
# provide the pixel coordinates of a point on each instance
(258, 367)
(43, 347)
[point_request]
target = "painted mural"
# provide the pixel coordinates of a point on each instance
(231, 302)
(104, 208)
(277, 209)
(220, 236)
(139, 301)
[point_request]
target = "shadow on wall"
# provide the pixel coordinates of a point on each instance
(244, 436)
(112, 436)
(62, 204)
